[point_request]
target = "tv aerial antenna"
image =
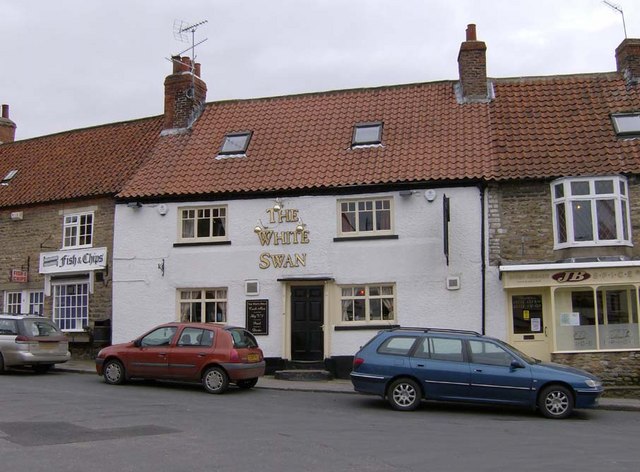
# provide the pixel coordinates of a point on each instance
(181, 30)
(619, 10)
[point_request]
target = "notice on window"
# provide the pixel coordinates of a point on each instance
(536, 325)
(570, 319)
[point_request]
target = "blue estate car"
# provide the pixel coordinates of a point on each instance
(406, 365)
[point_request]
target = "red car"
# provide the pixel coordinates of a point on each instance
(210, 353)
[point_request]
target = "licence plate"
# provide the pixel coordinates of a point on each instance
(48, 346)
(253, 357)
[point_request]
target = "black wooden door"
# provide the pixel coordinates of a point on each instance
(307, 320)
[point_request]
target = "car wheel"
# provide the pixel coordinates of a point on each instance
(215, 380)
(404, 394)
(556, 402)
(113, 372)
(42, 368)
(247, 383)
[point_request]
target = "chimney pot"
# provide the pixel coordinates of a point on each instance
(471, 32)
(7, 127)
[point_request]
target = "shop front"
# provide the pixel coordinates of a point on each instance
(583, 314)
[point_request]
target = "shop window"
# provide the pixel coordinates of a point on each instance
(203, 224)
(203, 305)
(78, 231)
(366, 217)
(591, 211)
(71, 306)
(368, 303)
(25, 301)
(606, 318)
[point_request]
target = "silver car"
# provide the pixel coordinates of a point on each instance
(33, 341)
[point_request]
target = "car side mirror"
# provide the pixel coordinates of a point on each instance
(137, 343)
(516, 364)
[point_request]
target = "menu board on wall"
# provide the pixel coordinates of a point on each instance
(257, 314)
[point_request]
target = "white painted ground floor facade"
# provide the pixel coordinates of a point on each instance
(314, 277)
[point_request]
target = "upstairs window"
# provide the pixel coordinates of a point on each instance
(78, 230)
(591, 211)
(626, 124)
(365, 217)
(367, 134)
(203, 224)
(235, 144)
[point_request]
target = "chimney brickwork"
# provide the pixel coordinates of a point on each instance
(7, 127)
(628, 60)
(472, 66)
(185, 94)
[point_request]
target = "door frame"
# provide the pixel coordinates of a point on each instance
(287, 315)
(536, 345)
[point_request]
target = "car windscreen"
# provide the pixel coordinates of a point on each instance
(39, 328)
(242, 338)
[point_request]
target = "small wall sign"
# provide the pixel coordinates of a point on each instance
(257, 314)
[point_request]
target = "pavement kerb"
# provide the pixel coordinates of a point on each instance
(268, 382)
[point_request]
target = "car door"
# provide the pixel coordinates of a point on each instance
(149, 357)
(440, 364)
(190, 353)
(493, 376)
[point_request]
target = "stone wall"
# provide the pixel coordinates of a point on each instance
(41, 230)
(520, 225)
(619, 371)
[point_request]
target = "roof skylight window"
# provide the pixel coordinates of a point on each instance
(235, 143)
(626, 124)
(7, 178)
(367, 134)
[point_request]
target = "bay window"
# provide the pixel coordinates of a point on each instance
(590, 211)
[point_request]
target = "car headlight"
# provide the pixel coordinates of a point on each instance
(593, 383)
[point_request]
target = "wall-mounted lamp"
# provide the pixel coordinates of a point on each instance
(134, 204)
(406, 193)
(260, 227)
(278, 205)
(301, 226)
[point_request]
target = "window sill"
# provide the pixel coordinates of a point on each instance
(364, 238)
(203, 243)
(365, 327)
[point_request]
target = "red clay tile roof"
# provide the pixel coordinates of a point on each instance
(304, 142)
(534, 128)
(556, 126)
(75, 164)
(540, 127)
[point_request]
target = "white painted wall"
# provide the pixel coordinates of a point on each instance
(143, 297)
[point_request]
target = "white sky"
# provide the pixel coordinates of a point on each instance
(69, 64)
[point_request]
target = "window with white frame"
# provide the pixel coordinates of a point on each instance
(78, 230)
(25, 301)
(365, 217)
(207, 305)
(203, 224)
(71, 306)
(368, 303)
(591, 211)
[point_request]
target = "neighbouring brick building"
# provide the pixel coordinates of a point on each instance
(56, 222)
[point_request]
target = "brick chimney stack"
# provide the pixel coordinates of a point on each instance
(472, 66)
(628, 60)
(185, 94)
(7, 127)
